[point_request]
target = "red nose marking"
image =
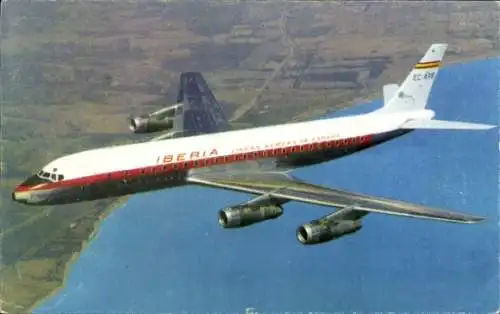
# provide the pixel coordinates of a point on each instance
(21, 188)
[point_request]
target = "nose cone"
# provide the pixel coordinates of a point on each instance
(21, 194)
(29, 191)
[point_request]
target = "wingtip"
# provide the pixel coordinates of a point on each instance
(490, 126)
(474, 219)
(482, 127)
(485, 127)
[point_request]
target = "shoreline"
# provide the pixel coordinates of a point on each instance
(120, 202)
(117, 204)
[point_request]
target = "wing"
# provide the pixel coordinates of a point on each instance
(200, 112)
(284, 186)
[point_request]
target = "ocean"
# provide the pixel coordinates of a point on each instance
(164, 251)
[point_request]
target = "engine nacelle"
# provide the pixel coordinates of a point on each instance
(149, 124)
(160, 120)
(245, 215)
(319, 231)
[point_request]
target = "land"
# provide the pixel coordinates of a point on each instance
(72, 72)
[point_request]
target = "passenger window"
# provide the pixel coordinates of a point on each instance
(53, 177)
(60, 177)
(46, 175)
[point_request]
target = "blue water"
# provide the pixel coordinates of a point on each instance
(164, 251)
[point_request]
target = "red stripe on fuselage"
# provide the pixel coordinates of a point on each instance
(199, 163)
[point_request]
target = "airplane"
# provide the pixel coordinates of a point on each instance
(201, 149)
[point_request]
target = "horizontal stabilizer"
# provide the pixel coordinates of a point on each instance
(445, 125)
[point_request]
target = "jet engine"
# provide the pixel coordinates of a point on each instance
(324, 230)
(244, 215)
(160, 120)
(148, 124)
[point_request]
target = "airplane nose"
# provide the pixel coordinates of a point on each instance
(19, 197)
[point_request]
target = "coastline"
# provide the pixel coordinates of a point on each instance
(371, 95)
(108, 209)
(71, 283)
(112, 61)
(118, 203)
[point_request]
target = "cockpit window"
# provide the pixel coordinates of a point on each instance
(49, 176)
(34, 180)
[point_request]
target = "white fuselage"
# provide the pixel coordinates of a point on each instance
(118, 167)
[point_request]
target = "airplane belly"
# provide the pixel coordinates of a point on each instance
(137, 184)
(304, 159)
(103, 189)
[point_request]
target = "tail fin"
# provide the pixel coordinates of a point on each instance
(415, 90)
